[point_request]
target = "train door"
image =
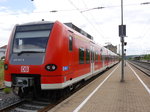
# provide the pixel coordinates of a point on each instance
(103, 58)
(107, 59)
(92, 59)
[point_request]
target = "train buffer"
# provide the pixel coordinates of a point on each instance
(108, 94)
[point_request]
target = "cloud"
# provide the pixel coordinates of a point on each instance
(102, 24)
(3, 0)
(8, 20)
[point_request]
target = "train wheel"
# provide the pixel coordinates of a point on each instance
(54, 96)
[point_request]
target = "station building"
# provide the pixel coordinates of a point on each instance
(111, 48)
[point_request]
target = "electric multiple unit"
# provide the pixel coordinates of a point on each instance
(51, 56)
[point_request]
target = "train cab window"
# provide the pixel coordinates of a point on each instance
(70, 43)
(87, 56)
(81, 56)
(35, 41)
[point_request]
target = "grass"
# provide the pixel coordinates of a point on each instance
(1, 72)
(7, 90)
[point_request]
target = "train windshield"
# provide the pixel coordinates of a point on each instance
(34, 41)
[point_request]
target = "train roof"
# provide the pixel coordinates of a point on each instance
(37, 22)
(38, 25)
(79, 30)
(68, 24)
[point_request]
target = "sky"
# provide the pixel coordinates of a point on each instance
(102, 24)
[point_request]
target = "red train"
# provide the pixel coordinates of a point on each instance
(52, 56)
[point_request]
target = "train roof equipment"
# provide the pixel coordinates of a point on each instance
(79, 30)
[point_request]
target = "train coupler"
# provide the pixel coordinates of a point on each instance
(23, 82)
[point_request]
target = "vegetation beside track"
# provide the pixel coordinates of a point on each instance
(1, 72)
(146, 57)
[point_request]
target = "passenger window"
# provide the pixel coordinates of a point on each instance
(87, 56)
(70, 43)
(96, 56)
(81, 56)
(103, 57)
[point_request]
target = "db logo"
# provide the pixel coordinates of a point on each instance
(24, 68)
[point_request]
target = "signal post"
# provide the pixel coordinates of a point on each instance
(122, 34)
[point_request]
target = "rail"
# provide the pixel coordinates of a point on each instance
(142, 66)
(12, 105)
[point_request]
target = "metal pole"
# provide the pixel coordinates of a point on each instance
(122, 40)
(122, 12)
(122, 67)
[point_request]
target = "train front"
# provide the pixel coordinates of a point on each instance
(25, 56)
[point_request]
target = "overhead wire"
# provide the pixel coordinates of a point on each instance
(113, 6)
(81, 10)
(84, 17)
(92, 16)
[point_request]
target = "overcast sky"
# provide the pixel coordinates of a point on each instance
(102, 24)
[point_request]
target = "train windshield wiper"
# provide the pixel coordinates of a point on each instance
(21, 52)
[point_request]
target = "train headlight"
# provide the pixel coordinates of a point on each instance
(5, 66)
(51, 67)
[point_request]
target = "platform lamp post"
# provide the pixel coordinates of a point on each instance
(122, 34)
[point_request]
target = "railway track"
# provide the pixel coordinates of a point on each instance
(32, 106)
(12, 103)
(142, 66)
(8, 100)
(11, 106)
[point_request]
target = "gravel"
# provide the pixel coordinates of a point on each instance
(7, 99)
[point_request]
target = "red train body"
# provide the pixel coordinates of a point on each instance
(53, 56)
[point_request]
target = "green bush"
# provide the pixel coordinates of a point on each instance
(1, 72)
(7, 90)
(146, 57)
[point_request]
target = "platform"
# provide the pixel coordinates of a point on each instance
(108, 94)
